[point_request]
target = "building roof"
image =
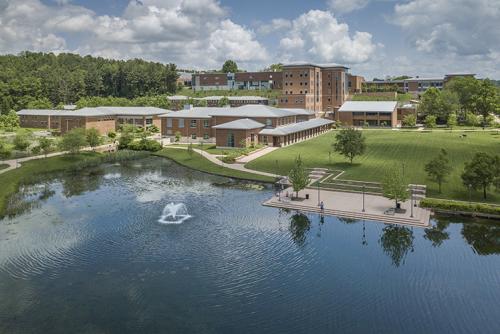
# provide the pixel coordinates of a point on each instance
(368, 106)
(299, 111)
(296, 127)
(99, 111)
(304, 64)
(251, 110)
(240, 124)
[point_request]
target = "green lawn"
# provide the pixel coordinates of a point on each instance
(200, 163)
(388, 149)
(209, 148)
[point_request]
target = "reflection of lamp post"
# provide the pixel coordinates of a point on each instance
(363, 198)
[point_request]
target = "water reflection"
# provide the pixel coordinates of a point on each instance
(396, 242)
(299, 226)
(483, 237)
(77, 184)
(437, 234)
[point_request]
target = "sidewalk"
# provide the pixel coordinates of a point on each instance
(235, 166)
(255, 155)
(350, 205)
(16, 163)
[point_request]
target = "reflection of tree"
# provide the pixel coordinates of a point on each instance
(77, 184)
(436, 234)
(396, 241)
(483, 237)
(46, 193)
(299, 226)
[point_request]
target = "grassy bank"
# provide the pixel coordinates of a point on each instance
(11, 180)
(3, 166)
(388, 149)
(200, 163)
(461, 207)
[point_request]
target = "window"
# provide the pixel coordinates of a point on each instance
(230, 140)
(149, 121)
(169, 122)
(269, 122)
(206, 123)
(181, 122)
(205, 136)
(192, 124)
(193, 136)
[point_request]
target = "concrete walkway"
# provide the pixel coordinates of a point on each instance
(235, 166)
(16, 163)
(350, 205)
(256, 154)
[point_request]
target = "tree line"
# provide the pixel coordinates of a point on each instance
(46, 80)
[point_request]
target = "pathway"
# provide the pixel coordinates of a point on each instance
(256, 154)
(16, 163)
(235, 166)
(350, 205)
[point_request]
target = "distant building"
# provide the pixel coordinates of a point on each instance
(245, 125)
(314, 87)
(104, 119)
(179, 101)
(355, 83)
(415, 85)
(184, 79)
(240, 80)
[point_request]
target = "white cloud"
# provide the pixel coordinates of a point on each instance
(188, 32)
(346, 6)
(318, 36)
(274, 26)
(463, 27)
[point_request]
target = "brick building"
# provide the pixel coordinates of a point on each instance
(368, 113)
(104, 119)
(239, 80)
(314, 87)
(230, 127)
(178, 102)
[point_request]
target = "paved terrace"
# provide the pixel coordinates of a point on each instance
(350, 205)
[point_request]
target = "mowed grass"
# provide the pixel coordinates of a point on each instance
(198, 162)
(388, 149)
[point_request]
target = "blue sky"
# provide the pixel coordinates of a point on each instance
(375, 38)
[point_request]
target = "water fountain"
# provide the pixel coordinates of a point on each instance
(174, 214)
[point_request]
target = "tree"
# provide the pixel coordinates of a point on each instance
(93, 138)
(464, 88)
(223, 102)
(439, 168)
(350, 143)
(394, 186)
(433, 103)
(430, 121)
(45, 145)
(451, 121)
(190, 150)
(471, 119)
(126, 138)
(9, 121)
(480, 172)
(230, 66)
(410, 120)
(73, 141)
(274, 68)
(177, 136)
(298, 176)
(21, 142)
(485, 101)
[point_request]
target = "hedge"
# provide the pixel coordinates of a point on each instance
(459, 206)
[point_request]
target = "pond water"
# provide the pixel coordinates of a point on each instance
(102, 253)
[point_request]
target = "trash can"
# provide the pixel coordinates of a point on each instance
(307, 196)
(398, 206)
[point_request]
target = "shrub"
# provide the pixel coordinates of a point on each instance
(153, 129)
(112, 134)
(459, 206)
(145, 145)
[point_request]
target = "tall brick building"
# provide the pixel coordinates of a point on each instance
(314, 87)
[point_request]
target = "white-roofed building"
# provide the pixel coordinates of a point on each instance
(368, 113)
(245, 125)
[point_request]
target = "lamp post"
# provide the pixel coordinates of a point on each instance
(363, 198)
(411, 201)
(319, 201)
(470, 194)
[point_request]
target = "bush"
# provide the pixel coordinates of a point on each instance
(459, 206)
(145, 145)
(153, 129)
(112, 135)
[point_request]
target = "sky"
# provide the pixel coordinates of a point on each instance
(374, 38)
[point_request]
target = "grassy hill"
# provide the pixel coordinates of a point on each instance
(388, 149)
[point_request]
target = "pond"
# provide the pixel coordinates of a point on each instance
(151, 247)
